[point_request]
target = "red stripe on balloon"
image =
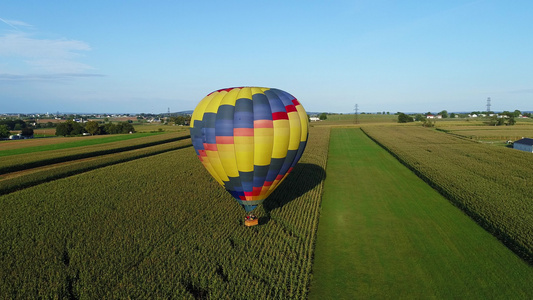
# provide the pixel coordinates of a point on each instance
(290, 108)
(243, 131)
(225, 140)
(267, 183)
(279, 177)
(280, 116)
(210, 147)
(256, 191)
(263, 124)
(227, 90)
(295, 102)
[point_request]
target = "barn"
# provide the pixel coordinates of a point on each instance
(525, 144)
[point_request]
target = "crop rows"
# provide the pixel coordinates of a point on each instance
(52, 172)
(491, 184)
(20, 162)
(160, 227)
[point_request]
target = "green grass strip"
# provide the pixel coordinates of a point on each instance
(384, 233)
(29, 161)
(67, 145)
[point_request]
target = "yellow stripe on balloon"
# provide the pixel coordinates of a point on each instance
(211, 171)
(246, 93)
(263, 141)
(198, 113)
(226, 152)
(295, 128)
(215, 162)
(230, 97)
(281, 138)
(244, 151)
(212, 106)
(303, 121)
(256, 90)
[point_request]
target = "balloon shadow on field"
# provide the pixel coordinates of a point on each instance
(303, 178)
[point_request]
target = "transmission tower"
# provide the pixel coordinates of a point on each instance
(356, 109)
(488, 105)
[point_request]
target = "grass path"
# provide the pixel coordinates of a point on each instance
(384, 233)
(8, 148)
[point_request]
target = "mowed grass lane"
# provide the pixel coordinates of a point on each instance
(384, 233)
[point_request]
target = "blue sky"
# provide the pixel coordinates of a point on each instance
(148, 56)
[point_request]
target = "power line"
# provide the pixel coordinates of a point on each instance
(356, 120)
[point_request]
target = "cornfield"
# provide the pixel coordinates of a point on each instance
(160, 227)
(493, 185)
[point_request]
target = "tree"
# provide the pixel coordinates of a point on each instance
(452, 115)
(444, 114)
(92, 127)
(77, 129)
(63, 129)
(323, 116)
(4, 131)
(428, 123)
(69, 128)
(517, 113)
(27, 132)
(403, 118)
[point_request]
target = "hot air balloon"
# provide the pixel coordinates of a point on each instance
(249, 139)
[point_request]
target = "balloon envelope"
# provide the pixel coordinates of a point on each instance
(249, 139)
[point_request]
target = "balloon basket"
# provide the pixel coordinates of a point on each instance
(251, 222)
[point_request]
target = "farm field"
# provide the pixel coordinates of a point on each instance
(38, 156)
(349, 120)
(384, 233)
(56, 143)
(13, 181)
(498, 134)
(160, 227)
(155, 127)
(491, 184)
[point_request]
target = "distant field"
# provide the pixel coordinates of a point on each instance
(159, 127)
(385, 234)
(18, 162)
(499, 134)
(37, 145)
(349, 119)
(45, 172)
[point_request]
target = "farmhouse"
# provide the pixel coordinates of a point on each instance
(525, 144)
(314, 119)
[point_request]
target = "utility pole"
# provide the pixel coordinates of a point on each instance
(356, 120)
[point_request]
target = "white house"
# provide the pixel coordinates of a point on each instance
(525, 144)
(314, 119)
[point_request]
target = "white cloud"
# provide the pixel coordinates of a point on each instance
(23, 53)
(15, 23)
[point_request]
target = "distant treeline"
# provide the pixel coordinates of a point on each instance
(70, 128)
(7, 125)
